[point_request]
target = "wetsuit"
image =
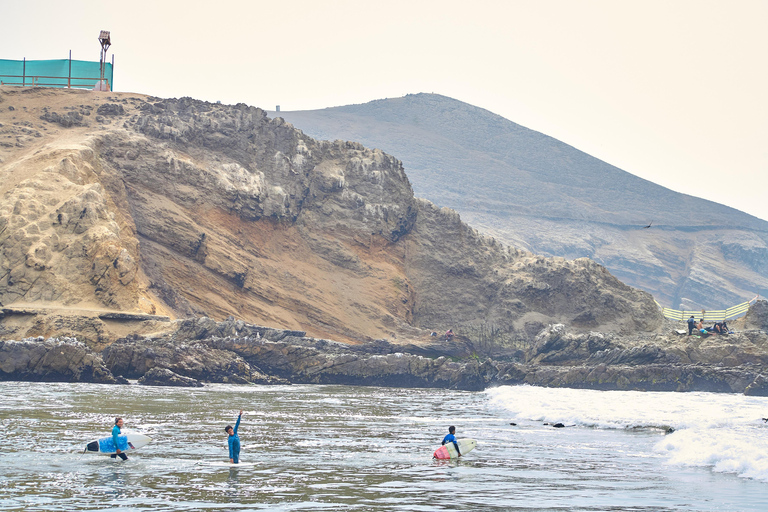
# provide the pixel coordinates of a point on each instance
(691, 325)
(234, 443)
(115, 433)
(450, 438)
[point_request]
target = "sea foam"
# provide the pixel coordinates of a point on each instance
(722, 431)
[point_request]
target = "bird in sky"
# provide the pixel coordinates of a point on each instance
(649, 225)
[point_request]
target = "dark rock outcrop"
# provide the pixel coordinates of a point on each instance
(66, 120)
(644, 377)
(247, 353)
(327, 362)
(757, 316)
(554, 344)
(134, 357)
(165, 377)
(758, 387)
(52, 360)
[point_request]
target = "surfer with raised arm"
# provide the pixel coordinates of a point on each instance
(234, 441)
(451, 438)
(116, 432)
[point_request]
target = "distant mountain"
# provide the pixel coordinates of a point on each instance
(535, 192)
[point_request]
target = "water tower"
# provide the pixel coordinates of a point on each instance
(105, 42)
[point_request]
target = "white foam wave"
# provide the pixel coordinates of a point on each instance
(628, 409)
(743, 451)
(721, 431)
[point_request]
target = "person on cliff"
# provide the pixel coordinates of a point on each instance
(115, 433)
(449, 335)
(691, 325)
(234, 441)
(451, 438)
(721, 327)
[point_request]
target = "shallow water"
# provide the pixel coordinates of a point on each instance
(361, 448)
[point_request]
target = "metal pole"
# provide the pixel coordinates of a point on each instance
(112, 75)
(24, 73)
(69, 78)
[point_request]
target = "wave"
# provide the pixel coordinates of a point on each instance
(742, 451)
(725, 432)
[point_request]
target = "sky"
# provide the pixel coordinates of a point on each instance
(673, 91)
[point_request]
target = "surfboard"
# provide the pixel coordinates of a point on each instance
(448, 451)
(126, 442)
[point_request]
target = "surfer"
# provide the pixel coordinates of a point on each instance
(116, 432)
(451, 438)
(234, 441)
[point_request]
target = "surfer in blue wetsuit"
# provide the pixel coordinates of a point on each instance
(451, 438)
(116, 432)
(234, 441)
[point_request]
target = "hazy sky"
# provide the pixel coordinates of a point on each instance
(674, 91)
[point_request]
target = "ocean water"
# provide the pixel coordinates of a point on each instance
(370, 449)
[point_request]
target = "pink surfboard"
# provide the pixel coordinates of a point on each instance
(448, 451)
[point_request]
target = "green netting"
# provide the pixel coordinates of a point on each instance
(53, 73)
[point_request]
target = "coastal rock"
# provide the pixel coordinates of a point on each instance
(650, 377)
(134, 357)
(184, 209)
(757, 316)
(204, 327)
(165, 377)
(52, 360)
(66, 120)
(303, 361)
(735, 363)
(758, 387)
(554, 344)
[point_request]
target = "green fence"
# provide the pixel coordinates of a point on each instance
(708, 315)
(54, 73)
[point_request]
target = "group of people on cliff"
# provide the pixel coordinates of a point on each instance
(717, 328)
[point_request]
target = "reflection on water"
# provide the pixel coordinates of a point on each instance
(330, 448)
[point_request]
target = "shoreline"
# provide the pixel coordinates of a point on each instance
(202, 350)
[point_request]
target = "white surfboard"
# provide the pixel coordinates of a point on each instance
(126, 442)
(448, 451)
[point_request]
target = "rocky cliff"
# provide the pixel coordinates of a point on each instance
(537, 193)
(115, 203)
(202, 350)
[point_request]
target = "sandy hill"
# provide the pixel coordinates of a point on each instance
(537, 193)
(184, 208)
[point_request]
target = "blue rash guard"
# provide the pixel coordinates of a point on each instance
(115, 433)
(450, 438)
(234, 443)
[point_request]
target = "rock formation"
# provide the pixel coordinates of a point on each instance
(757, 316)
(52, 360)
(201, 350)
(165, 377)
(537, 193)
(119, 203)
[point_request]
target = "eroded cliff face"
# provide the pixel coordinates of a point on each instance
(501, 295)
(185, 208)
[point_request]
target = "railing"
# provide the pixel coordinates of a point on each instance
(708, 315)
(57, 73)
(34, 81)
